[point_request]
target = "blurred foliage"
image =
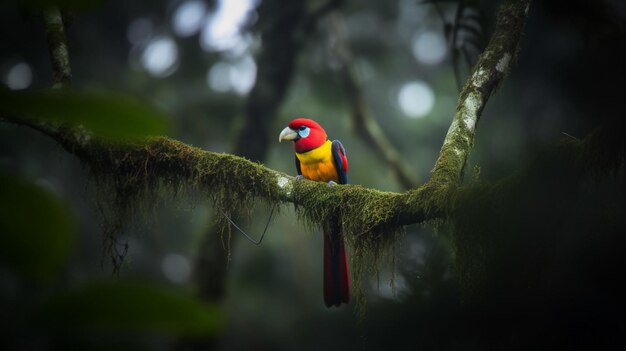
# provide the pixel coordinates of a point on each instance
(103, 113)
(129, 307)
(38, 230)
(38, 238)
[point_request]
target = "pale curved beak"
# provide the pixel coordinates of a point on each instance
(287, 134)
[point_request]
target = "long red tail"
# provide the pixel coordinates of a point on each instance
(336, 279)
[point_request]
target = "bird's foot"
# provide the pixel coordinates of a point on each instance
(299, 177)
(331, 183)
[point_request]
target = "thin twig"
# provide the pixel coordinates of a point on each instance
(365, 125)
(246, 235)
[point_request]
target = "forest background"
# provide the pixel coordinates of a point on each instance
(524, 249)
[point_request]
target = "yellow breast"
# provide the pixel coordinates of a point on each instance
(318, 164)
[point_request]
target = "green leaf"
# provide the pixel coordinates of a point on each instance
(130, 307)
(36, 230)
(103, 113)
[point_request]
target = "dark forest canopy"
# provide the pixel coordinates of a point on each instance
(129, 130)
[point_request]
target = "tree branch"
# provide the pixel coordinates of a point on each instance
(160, 162)
(57, 47)
(491, 68)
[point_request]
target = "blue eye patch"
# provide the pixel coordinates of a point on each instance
(304, 131)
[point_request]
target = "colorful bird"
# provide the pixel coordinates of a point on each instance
(319, 159)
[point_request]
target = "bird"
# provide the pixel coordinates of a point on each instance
(319, 159)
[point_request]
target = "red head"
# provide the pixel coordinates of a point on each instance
(306, 134)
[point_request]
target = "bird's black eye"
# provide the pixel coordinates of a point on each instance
(302, 127)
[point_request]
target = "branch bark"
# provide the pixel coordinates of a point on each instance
(490, 70)
(57, 47)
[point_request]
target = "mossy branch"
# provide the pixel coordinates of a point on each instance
(490, 70)
(230, 179)
(138, 170)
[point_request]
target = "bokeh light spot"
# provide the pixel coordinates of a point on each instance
(416, 99)
(176, 268)
(160, 57)
(189, 17)
(219, 77)
(238, 77)
(222, 30)
(243, 75)
(429, 47)
(20, 76)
